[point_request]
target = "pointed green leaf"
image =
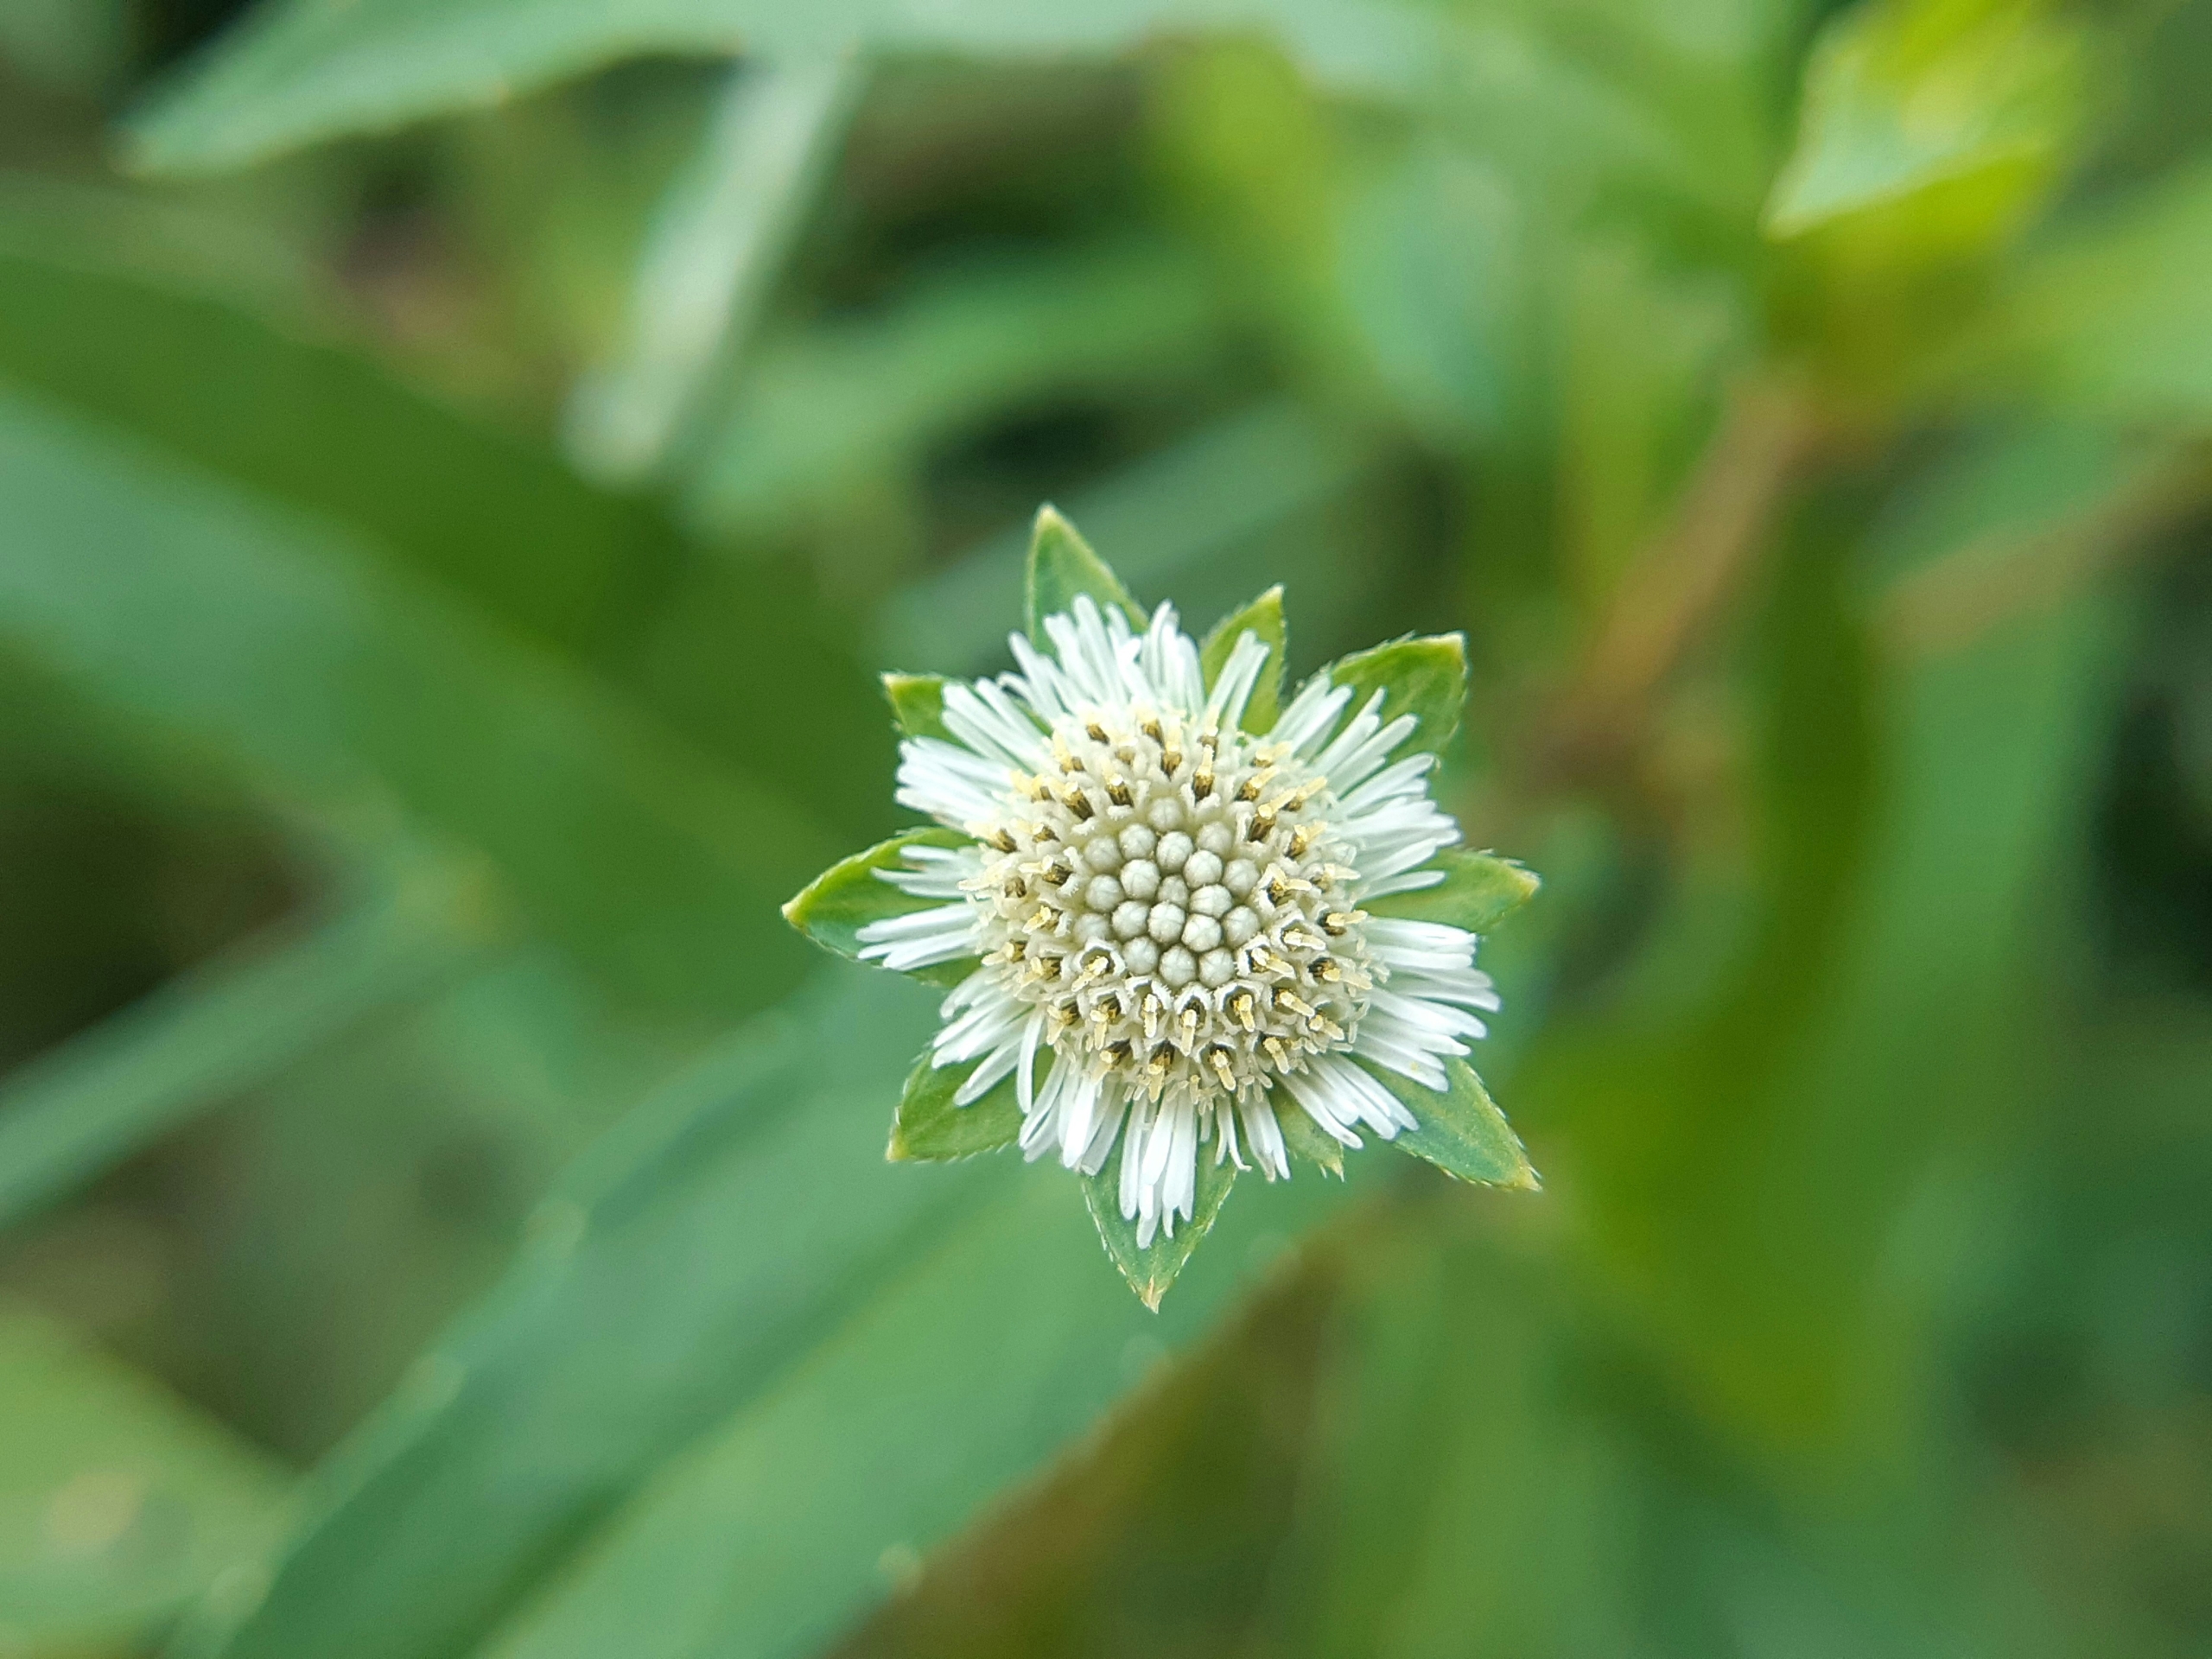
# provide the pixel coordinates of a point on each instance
(1308, 1141)
(930, 1130)
(1425, 676)
(1264, 617)
(1462, 1132)
(1903, 97)
(916, 703)
(1479, 890)
(1061, 565)
(1152, 1268)
(848, 895)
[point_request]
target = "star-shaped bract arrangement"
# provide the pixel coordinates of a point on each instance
(1188, 928)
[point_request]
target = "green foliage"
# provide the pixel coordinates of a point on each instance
(1789, 425)
(1913, 96)
(1152, 1268)
(916, 703)
(1460, 1130)
(1262, 618)
(117, 1501)
(1307, 1141)
(833, 908)
(931, 1128)
(1062, 566)
(1479, 890)
(1426, 678)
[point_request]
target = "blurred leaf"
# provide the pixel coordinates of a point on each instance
(832, 907)
(2108, 318)
(1467, 1475)
(549, 1464)
(916, 703)
(1647, 348)
(1006, 1336)
(930, 1128)
(1426, 678)
(1479, 890)
(1153, 1268)
(118, 1503)
(1262, 617)
(299, 74)
(1062, 566)
(77, 44)
(311, 425)
(1435, 263)
(1461, 1131)
(200, 1042)
(763, 1165)
(717, 243)
(1905, 95)
(1190, 522)
(286, 646)
(823, 411)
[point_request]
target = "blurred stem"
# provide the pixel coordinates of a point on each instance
(1665, 602)
(1946, 604)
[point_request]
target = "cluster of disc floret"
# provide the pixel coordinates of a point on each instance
(1171, 896)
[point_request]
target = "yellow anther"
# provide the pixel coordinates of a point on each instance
(1218, 1058)
(1244, 1006)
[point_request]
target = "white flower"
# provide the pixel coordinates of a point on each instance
(1169, 907)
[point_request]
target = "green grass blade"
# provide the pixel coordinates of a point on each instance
(288, 647)
(302, 73)
(225, 1028)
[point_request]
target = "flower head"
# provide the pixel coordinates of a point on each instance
(1187, 929)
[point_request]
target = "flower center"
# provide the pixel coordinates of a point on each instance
(1174, 899)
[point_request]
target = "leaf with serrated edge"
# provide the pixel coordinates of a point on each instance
(1426, 677)
(849, 894)
(1306, 1140)
(929, 1129)
(1479, 890)
(1061, 565)
(1264, 617)
(916, 703)
(1462, 1132)
(1152, 1270)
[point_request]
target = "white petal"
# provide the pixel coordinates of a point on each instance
(1265, 1134)
(920, 938)
(1312, 714)
(1232, 687)
(1323, 1099)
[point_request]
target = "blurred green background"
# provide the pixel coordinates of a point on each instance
(461, 464)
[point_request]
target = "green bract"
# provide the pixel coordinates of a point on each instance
(1191, 925)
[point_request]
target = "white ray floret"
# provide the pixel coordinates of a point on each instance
(1163, 909)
